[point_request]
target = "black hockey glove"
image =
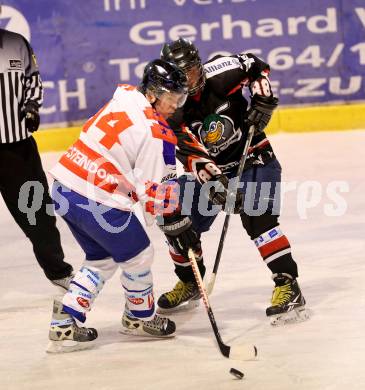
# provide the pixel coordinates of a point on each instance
(180, 233)
(222, 196)
(260, 112)
(31, 117)
(218, 194)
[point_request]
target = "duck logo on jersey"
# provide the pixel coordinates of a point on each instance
(217, 133)
(215, 129)
(11, 19)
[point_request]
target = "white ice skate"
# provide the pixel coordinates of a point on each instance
(157, 327)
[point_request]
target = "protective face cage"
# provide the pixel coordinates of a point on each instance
(185, 55)
(199, 85)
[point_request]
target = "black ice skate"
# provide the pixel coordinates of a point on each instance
(65, 335)
(287, 302)
(184, 296)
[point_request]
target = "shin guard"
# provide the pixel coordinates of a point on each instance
(84, 288)
(137, 282)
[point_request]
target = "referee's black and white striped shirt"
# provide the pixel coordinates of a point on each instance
(20, 85)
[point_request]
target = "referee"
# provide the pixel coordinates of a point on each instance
(21, 95)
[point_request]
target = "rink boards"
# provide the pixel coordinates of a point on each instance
(306, 119)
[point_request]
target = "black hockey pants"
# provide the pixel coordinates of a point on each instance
(255, 225)
(19, 163)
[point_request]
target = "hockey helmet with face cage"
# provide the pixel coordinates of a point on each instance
(185, 55)
(161, 76)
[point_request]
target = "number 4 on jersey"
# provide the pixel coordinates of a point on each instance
(112, 124)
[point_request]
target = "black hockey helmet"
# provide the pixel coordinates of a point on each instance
(185, 55)
(161, 76)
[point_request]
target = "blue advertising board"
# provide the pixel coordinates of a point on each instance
(316, 49)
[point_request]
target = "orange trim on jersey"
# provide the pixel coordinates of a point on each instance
(191, 158)
(92, 167)
(127, 87)
(274, 246)
(190, 161)
(160, 129)
(194, 140)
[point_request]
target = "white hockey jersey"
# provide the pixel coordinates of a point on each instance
(122, 155)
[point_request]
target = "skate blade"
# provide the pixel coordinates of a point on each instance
(65, 346)
(142, 333)
(291, 317)
(186, 306)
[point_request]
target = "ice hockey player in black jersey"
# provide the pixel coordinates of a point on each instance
(217, 113)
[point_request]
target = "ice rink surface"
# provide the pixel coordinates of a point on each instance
(326, 228)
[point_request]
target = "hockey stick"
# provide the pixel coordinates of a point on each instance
(242, 163)
(239, 352)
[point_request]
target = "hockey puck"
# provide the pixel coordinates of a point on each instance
(236, 373)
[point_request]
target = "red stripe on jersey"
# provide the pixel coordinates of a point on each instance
(92, 167)
(233, 90)
(258, 146)
(274, 246)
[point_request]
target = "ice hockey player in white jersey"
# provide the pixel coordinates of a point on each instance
(124, 157)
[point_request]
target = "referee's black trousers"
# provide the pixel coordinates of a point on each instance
(19, 163)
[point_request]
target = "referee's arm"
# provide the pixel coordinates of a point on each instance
(33, 83)
(33, 90)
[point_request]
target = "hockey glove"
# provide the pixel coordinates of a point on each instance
(180, 233)
(218, 194)
(31, 117)
(221, 195)
(261, 111)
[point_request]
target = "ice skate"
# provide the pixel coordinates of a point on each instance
(157, 327)
(184, 296)
(288, 303)
(65, 335)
